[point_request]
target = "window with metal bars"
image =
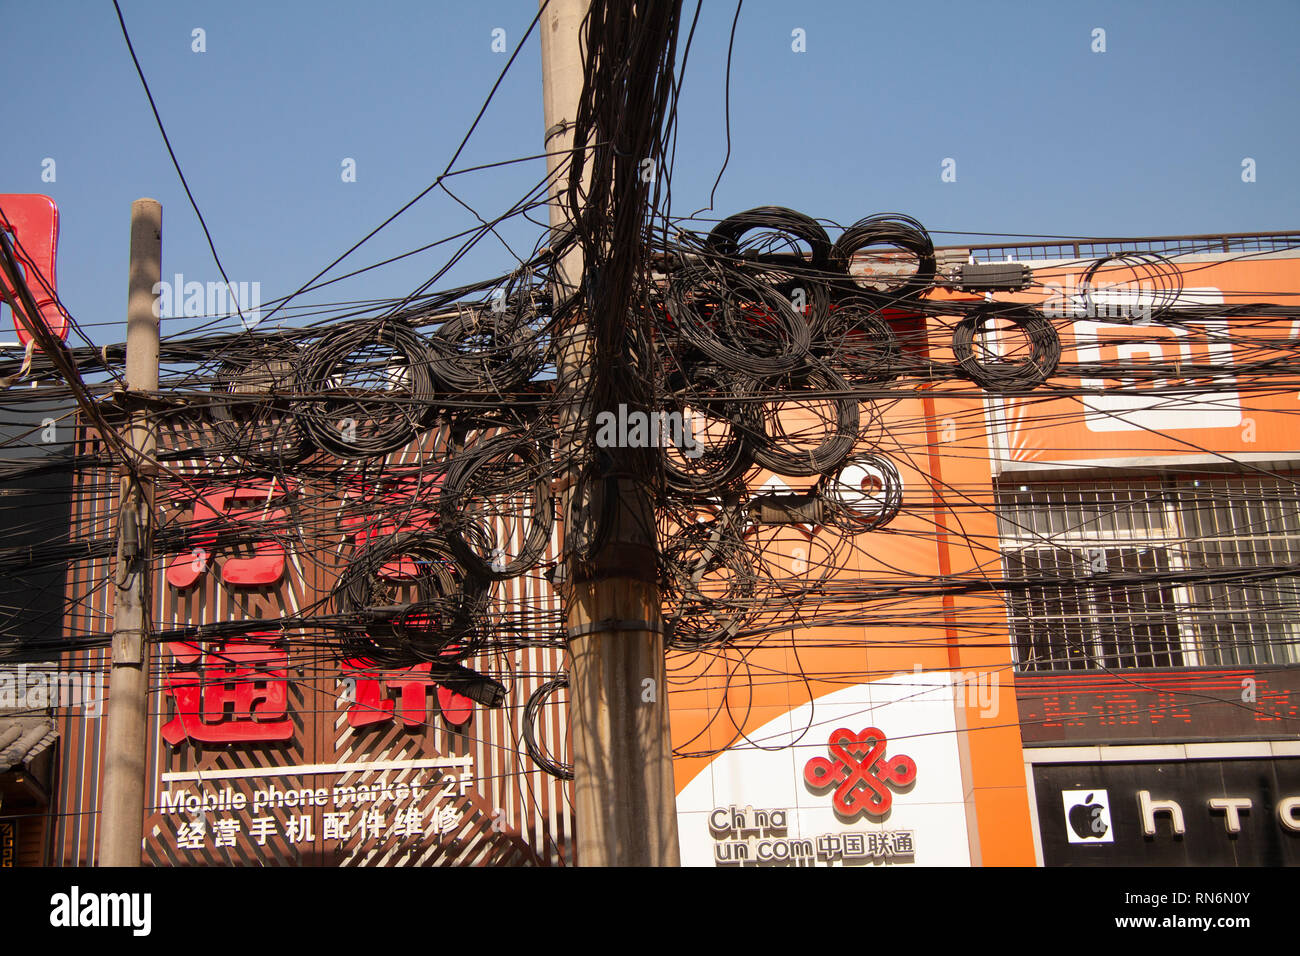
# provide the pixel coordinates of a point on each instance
(1159, 572)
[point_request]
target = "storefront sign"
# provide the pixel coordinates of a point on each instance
(369, 694)
(210, 811)
(233, 692)
(867, 775)
(859, 773)
(750, 837)
(265, 567)
(1177, 813)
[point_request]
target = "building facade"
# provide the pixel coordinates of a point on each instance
(1063, 631)
(1113, 679)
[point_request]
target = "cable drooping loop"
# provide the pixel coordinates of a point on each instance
(535, 751)
(866, 493)
(486, 351)
(712, 448)
(1006, 346)
(859, 343)
(817, 447)
(738, 321)
(1155, 289)
(252, 413)
(366, 389)
(496, 507)
(892, 231)
(411, 602)
(710, 581)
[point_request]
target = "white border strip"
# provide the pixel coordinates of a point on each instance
(312, 768)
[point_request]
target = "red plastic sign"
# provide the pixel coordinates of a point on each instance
(32, 222)
(860, 772)
(235, 693)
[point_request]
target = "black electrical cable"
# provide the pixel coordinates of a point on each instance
(365, 390)
(812, 451)
(254, 417)
(500, 483)
(891, 230)
(532, 709)
(486, 351)
(411, 602)
(1029, 351)
(737, 320)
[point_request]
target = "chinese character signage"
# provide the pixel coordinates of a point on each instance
(379, 811)
(867, 775)
(750, 837)
(235, 691)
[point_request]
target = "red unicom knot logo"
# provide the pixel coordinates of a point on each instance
(859, 772)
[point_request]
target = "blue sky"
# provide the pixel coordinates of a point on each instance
(1048, 136)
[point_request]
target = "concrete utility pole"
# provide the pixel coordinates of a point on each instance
(121, 825)
(623, 789)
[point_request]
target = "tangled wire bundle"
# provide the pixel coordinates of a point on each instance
(715, 450)
(1157, 285)
(804, 435)
(417, 602)
(1023, 353)
(496, 507)
(859, 343)
(710, 583)
(365, 390)
(893, 231)
(737, 320)
(781, 248)
(486, 351)
(255, 421)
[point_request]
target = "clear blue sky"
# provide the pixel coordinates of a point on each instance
(1048, 136)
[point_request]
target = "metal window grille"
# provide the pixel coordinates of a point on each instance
(1084, 249)
(1153, 573)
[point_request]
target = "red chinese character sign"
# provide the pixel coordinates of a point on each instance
(32, 222)
(237, 691)
(859, 773)
(392, 504)
(265, 567)
(369, 699)
(234, 692)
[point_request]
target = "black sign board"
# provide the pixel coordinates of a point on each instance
(1099, 814)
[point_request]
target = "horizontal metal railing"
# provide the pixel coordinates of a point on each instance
(1096, 247)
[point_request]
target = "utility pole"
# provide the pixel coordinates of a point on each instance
(623, 789)
(121, 824)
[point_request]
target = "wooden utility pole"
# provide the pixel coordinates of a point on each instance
(623, 789)
(121, 824)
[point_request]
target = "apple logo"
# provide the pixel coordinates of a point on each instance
(1087, 816)
(1085, 819)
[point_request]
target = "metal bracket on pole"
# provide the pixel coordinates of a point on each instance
(128, 647)
(560, 127)
(142, 468)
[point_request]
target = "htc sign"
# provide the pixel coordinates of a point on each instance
(1170, 813)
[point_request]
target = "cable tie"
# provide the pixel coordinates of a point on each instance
(27, 359)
